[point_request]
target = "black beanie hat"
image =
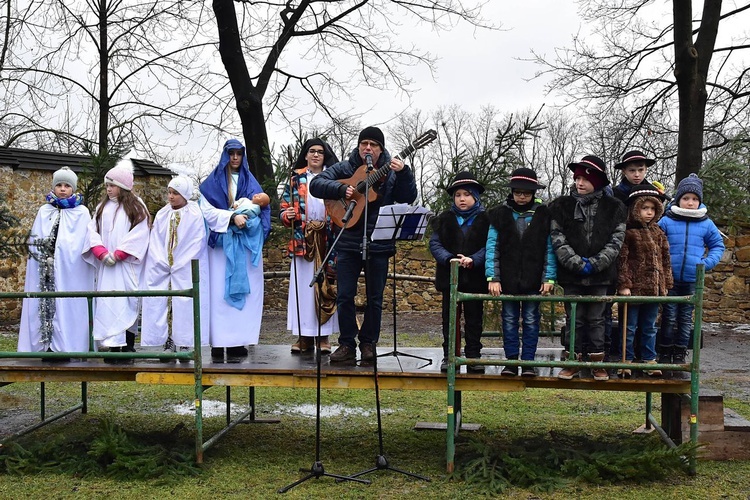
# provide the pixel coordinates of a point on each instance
(372, 134)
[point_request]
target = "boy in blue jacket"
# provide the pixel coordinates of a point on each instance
(690, 232)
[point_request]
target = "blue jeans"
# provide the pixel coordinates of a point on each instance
(643, 317)
(512, 312)
(677, 319)
(348, 267)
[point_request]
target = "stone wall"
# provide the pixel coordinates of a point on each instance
(727, 294)
(727, 286)
(24, 192)
(412, 259)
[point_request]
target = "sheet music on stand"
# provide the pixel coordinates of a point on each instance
(401, 222)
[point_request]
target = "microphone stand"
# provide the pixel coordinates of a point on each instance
(317, 470)
(381, 462)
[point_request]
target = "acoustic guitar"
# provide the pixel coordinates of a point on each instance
(361, 180)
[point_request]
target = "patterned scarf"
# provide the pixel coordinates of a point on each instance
(69, 202)
(583, 201)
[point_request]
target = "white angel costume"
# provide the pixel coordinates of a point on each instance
(113, 315)
(56, 240)
(177, 237)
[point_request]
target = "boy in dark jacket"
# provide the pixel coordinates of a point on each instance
(644, 269)
(520, 261)
(634, 167)
(587, 230)
(461, 233)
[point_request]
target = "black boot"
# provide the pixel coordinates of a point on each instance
(679, 355)
(665, 354)
(511, 371)
(129, 342)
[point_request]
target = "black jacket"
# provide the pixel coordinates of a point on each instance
(455, 241)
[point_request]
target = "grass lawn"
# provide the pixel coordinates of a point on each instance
(255, 460)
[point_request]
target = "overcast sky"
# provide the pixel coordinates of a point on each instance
(476, 67)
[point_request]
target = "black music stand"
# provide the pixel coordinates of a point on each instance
(401, 222)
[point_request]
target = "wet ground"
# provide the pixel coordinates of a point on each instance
(725, 359)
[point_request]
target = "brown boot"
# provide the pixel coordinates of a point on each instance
(600, 374)
(625, 372)
(568, 373)
(303, 344)
(325, 345)
(652, 373)
(296, 347)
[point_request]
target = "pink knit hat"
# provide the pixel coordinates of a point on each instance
(121, 175)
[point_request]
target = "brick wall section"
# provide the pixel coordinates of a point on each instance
(727, 296)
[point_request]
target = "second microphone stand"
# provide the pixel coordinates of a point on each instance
(381, 462)
(317, 470)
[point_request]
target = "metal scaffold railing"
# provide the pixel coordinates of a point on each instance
(455, 361)
(193, 355)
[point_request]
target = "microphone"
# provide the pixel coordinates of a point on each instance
(368, 159)
(349, 211)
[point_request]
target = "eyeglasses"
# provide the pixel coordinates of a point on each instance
(372, 144)
(316, 152)
(523, 193)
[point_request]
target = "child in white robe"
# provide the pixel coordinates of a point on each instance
(178, 236)
(55, 264)
(117, 245)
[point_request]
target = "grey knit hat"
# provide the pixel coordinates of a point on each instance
(690, 184)
(65, 175)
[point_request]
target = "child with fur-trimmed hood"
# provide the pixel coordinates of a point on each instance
(644, 269)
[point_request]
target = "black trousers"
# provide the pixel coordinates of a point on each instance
(589, 320)
(473, 314)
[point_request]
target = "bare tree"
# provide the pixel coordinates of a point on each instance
(324, 36)
(654, 67)
(102, 72)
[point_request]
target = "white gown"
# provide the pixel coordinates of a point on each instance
(189, 242)
(71, 273)
(113, 315)
(308, 313)
(228, 326)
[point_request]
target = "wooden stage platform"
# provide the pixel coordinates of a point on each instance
(275, 366)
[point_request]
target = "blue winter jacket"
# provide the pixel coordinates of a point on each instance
(688, 240)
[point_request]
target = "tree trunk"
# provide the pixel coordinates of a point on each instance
(103, 79)
(692, 61)
(246, 95)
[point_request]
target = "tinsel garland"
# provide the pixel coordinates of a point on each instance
(45, 256)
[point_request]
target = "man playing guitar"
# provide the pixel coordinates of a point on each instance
(369, 172)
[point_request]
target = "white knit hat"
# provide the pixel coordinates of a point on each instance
(121, 175)
(65, 175)
(183, 185)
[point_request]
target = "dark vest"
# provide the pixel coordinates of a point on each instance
(609, 214)
(522, 256)
(455, 241)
